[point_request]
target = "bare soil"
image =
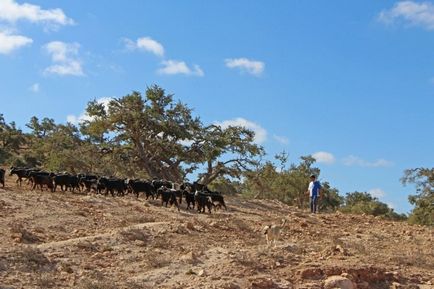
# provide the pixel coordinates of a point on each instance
(75, 240)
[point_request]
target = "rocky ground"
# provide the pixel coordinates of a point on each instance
(66, 240)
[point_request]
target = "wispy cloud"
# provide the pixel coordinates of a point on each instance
(145, 44)
(324, 157)
(171, 67)
(413, 13)
(377, 193)
(253, 67)
(74, 119)
(281, 139)
(10, 42)
(12, 12)
(260, 132)
(34, 87)
(65, 59)
(352, 160)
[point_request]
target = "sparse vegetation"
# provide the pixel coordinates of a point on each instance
(33, 259)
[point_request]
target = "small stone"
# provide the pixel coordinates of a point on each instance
(201, 273)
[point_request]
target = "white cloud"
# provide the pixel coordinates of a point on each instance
(377, 193)
(352, 160)
(9, 42)
(65, 58)
(34, 87)
(260, 132)
(281, 139)
(145, 44)
(74, 119)
(253, 67)
(324, 157)
(11, 11)
(171, 67)
(420, 14)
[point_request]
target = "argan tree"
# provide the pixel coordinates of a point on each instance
(423, 200)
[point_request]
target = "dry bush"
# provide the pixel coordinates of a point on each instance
(135, 234)
(25, 236)
(34, 259)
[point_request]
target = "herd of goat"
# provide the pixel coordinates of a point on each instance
(194, 194)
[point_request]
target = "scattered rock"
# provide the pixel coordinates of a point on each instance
(201, 273)
(340, 282)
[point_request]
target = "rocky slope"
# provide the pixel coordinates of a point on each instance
(66, 240)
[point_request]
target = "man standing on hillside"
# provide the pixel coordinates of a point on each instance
(314, 190)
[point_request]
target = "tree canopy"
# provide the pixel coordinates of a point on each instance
(143, 136)
(423, 200)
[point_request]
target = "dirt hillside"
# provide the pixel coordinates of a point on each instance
(66, 240)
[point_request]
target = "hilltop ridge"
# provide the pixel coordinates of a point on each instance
(67, 240)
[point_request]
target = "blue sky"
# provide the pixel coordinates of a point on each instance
(351, 82)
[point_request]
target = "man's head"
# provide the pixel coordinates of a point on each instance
(312, 177)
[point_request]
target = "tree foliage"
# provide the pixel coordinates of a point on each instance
(365, 203)
(289, 185)
(423, 200)
(141, 136)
